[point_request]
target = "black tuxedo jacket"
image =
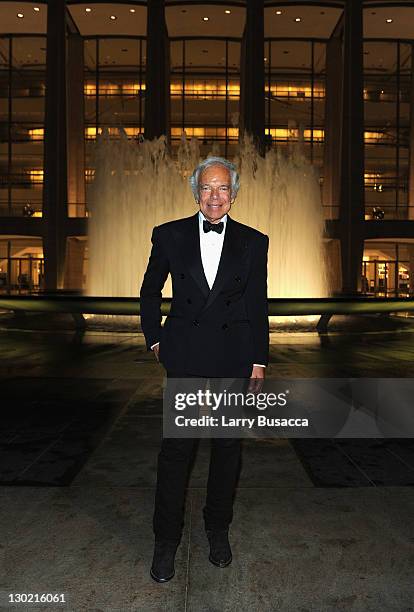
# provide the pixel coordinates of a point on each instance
(220, 332)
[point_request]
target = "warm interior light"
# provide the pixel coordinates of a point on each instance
(205, 132)
(36, 134)
(88, 10)
(113, 132)
(205, 90)
(20, 15)
(388, 20)
(278, 12)
(36, 8)
(205, 18)
(373, 137)
(298, 19)
(132, 10)
(131, 89)
(227, 12)
(113, 17)
(89, 89)
(300, 92)
(35, 175)
(284, 134)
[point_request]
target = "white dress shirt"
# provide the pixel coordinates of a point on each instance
(211, 246)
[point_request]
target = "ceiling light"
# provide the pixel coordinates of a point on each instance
(278, 12)
(205, 18)
(388, 20)
(88, 10)
(113, 17)
(227, 12)
(265, 59)
(36, 8)
(20, 15)
(298, 19)
(132, 10)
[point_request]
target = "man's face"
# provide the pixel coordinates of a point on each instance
(214, 188)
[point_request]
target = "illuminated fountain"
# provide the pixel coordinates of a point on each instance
(138, 185)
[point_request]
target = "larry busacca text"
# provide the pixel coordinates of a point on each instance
(224, 421)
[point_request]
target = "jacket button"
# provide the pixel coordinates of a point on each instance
(237, 279)
(195, 322)
(228, 303)
(182, 275)
(189, 301)
(225, 326)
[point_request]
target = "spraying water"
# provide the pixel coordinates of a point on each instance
(139, 185)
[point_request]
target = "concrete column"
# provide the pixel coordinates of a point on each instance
(76, 126)
(157, 84)
(332, 129)
(55, 158)
(75, 253)
(411, 267)
(352, 150)
(332, 256)
(252, 74)
(411, 144)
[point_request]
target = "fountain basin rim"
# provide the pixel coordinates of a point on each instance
(131, 305)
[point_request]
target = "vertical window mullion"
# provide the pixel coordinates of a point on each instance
(9, 130)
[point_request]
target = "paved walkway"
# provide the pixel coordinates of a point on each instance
(81, 429)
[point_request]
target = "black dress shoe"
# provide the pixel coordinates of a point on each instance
(220, 551)
(162, 568)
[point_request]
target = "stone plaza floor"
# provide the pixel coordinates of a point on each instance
(319, 526)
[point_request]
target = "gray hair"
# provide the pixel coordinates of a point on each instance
(215, 161)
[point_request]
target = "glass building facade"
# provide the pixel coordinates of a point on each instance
(205, 58)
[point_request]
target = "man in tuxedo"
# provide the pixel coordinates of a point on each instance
(217, 327)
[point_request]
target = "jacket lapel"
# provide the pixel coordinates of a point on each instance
(190, 252)
(234, 248)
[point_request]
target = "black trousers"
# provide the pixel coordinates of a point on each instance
(174, 461)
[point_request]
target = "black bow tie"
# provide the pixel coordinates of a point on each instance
(215, 227)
